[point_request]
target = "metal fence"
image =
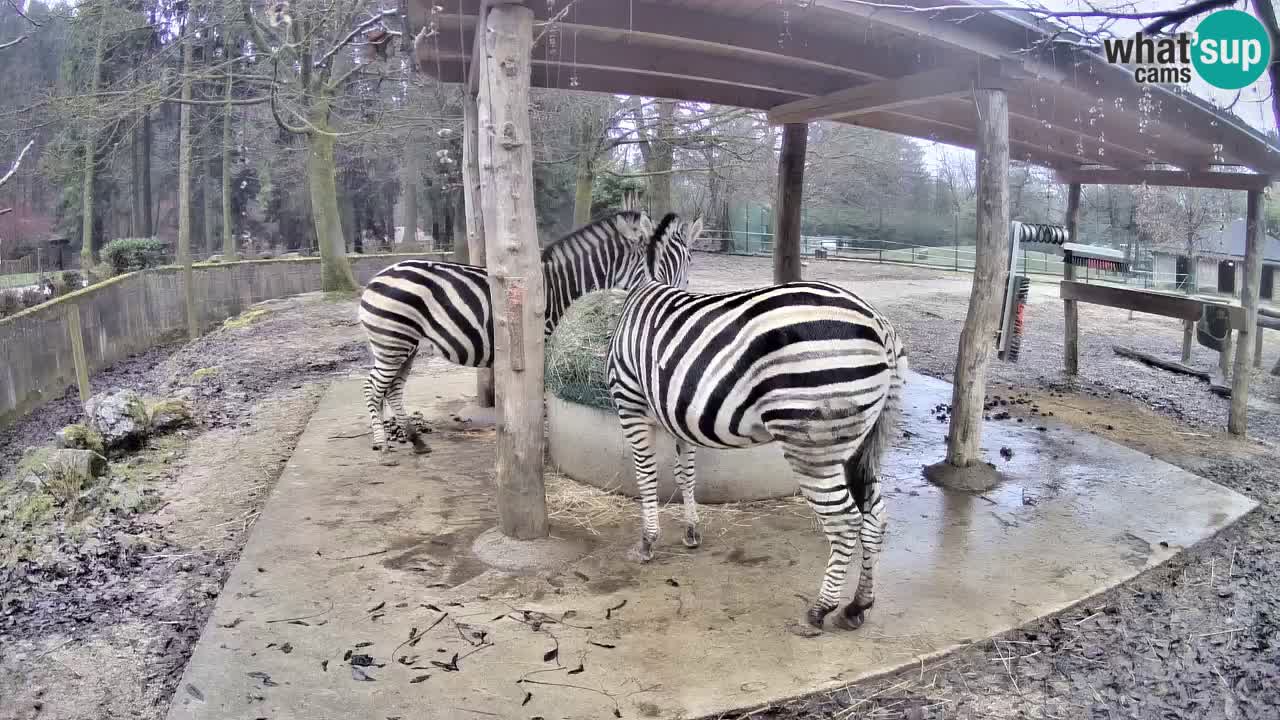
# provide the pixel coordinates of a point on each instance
(958, 258)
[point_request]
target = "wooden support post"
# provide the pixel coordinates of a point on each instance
(1071, 336)
(786, 218)
(1224, 359)
(76, 334)
(471, 200)
(1254, 237)
(515, 267)
(1257, 348)
(977, 339)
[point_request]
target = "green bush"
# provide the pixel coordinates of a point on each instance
(130, 254)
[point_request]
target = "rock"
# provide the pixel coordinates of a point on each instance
(120, 417)
(86, 464)
(79, 436)
(168, 415)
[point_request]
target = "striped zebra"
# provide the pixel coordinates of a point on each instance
(423, 308)
(806, 364)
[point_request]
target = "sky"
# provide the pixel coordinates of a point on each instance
(1254, 105)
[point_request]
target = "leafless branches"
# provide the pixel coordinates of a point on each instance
(16, 163)
(355, 32)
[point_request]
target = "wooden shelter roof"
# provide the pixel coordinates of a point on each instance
(903, 71)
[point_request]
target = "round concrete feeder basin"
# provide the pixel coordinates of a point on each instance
(586, 443)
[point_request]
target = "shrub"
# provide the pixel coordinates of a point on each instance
(130, 254)
(10, 304)
(72, 280)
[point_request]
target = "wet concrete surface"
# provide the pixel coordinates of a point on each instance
(353, 556)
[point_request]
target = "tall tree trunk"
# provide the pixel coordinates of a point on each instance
(461, 251)
(582, 191)
(335, 269)
(184, 192)
(585, 177)
(88, 249)
(662, 158)
(228, 229)
(148, 212)
(135, 182)
(208, 182)
(409, 197)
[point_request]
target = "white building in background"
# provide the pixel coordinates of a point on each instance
(1220, 265)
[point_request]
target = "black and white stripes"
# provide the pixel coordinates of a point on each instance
(808, 365)
(421, 307)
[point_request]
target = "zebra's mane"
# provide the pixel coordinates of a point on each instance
(603, 228)
(670, 223)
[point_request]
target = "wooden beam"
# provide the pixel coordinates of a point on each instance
(1071, 334)
(1155, 361)
(1174, 178)
(977, 339)
(786, 217)
(515, 268)
(620, 52)
(1182, 307)
(1255, 236)
(471, 204)
(882, 95)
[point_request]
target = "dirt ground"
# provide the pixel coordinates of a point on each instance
(102, 622)
(102, 627)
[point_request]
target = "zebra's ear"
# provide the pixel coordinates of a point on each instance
(695, 229)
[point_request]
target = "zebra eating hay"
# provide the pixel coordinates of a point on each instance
(441, 308)
(806, 364)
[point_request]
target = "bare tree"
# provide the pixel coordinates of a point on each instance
(317, 70)
(1178, 220)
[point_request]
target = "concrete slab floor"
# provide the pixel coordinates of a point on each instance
(353, 556)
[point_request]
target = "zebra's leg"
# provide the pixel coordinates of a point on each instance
(687, 480)
(386, 367)
(395, 398)
(829, 497)
(862, 475)
(639, 432)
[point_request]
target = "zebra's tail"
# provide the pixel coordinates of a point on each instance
(862, 471)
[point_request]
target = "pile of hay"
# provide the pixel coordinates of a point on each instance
(577, 351)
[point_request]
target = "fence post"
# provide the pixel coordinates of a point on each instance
(77, 350)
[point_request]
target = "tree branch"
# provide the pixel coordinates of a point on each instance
(275, 111)
(352, 35)
(13, 170)
(22, 14)
(13, 42)
(1177, 17)
(1267, 12)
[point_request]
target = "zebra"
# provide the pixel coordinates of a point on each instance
(441, 308)
(808, 365)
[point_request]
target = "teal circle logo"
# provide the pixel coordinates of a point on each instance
(1232, 49)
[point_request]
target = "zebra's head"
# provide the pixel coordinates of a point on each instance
(668, 253)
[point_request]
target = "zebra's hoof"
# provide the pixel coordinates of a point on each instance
(642, 552)
(420, 448)
(850, 618)
(804, 629)
(692, 538)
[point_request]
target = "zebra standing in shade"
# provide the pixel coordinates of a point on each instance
(440, 308)
(806, 364)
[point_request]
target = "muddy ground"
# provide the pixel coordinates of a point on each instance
(101, 621)
(102, 625)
